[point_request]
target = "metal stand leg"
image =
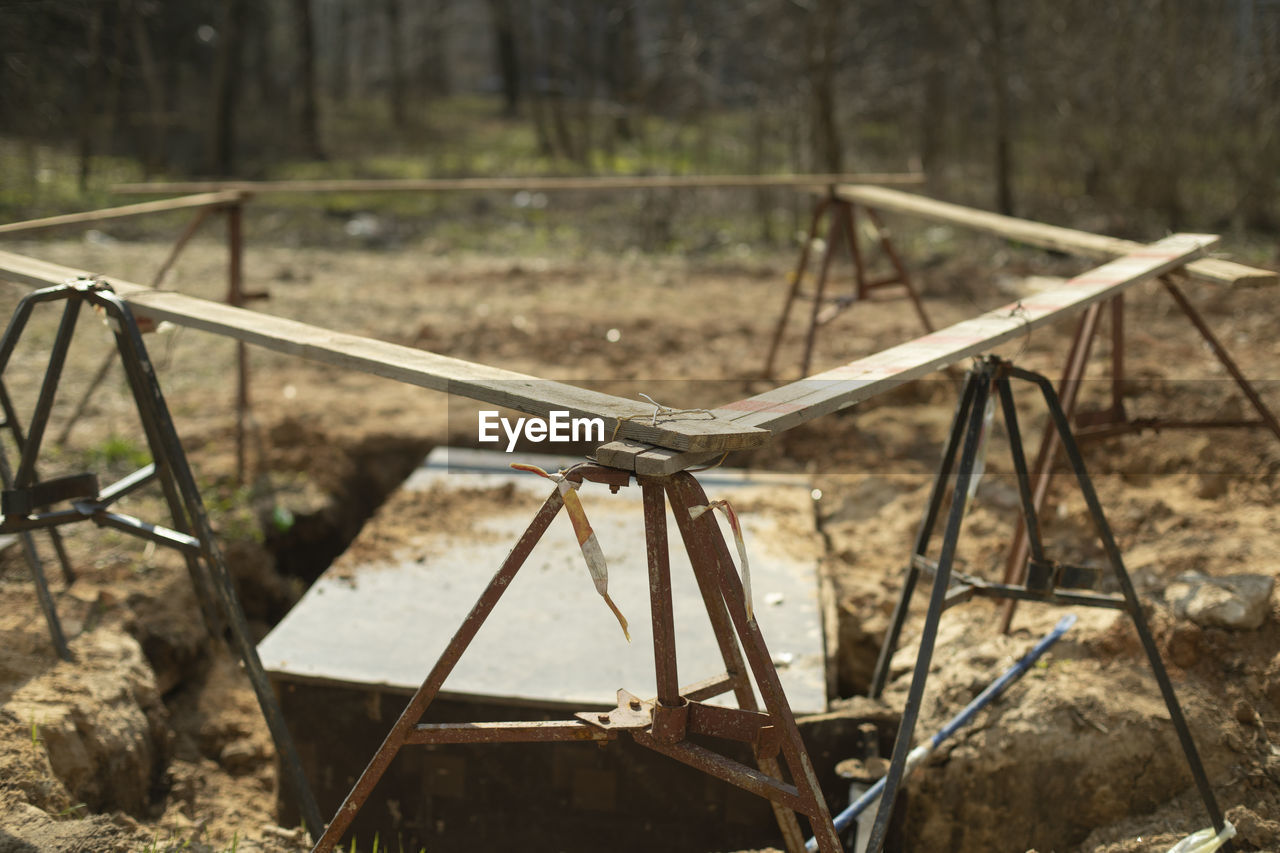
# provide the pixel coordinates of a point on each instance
(981, 382)
(793, 291)
(709, 553)
(820, 289)
(886, 244)
(1220, 352)
(1043, 579)
(1015, 567)
(925, 533)
(1134, 606)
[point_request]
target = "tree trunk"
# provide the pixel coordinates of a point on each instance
(226, 90)
(999, 78)
(396, 91)
(92, 80)
(157, 122)
(933, 118)
(505, 51)
(308, 109)
(340, 82)
(822, 39)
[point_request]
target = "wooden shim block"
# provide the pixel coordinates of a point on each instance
(792, 404)
(532, 183)
(529, 394)
(206, 199)
(1053, 237)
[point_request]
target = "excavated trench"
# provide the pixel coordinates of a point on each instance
(366, 474)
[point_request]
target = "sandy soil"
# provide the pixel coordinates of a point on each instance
(151, 739)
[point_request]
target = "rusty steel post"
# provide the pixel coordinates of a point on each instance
(1117, 358)
(886, 244)
(1268, 418)
(820, 288)
(425, 694)
(796, 278)
(709, 554)
(850, 216)
(660, 604)
(1015, 567)
(157, 280)
(730, 652)
(236, 298)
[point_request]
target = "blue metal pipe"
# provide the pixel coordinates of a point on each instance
(994, 689)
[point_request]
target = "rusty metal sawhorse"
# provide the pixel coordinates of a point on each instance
(663, 723)
(28, 503)
(1048, 581)
(1114, 420)
(843, 226)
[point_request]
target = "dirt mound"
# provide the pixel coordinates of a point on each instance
(100, 722)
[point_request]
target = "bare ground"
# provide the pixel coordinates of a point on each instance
(152, 739)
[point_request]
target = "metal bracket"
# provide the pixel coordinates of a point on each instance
(22, 501)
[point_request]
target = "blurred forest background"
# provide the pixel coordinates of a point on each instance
(1126, 116)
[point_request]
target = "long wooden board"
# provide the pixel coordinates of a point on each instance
(789, 405)
(529, 394)
(532, 183)
(1054, 237)
(204, 199)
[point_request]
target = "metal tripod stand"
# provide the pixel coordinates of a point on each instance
(1047, 580)
(843, 226)
(664, 723)
(29, 503)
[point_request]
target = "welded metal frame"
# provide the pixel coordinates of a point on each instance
(842, 226)
(663, 723)
(28, 502)
(992, 375)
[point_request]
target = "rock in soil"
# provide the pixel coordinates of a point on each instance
(1239, 602)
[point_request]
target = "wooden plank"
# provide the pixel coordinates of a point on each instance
(789, 405)
(481, 382)
(204, 199)
(1054, 237)
(532, 183)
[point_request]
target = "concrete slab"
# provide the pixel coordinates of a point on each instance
(382, 614)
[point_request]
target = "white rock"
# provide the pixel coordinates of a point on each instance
(1239, 602)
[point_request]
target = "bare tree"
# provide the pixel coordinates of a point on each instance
(506, 54)
(226, 88)
(396, 93)
(308, 108)
(823, 30)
